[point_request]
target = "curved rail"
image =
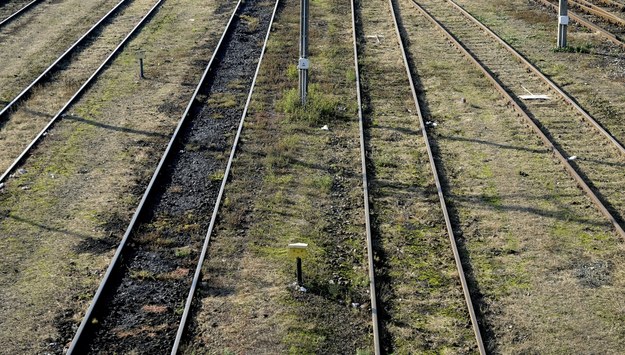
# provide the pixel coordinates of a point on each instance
(17, 13)
(557, 153)
(609, 36)
(22, 95)
(365, 187)
(78, 94)
(78, 337)
(548, 81)
(441, 195)
(198, 269)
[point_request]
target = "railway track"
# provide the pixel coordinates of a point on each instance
(365, 186)
(591, 159)
(26, 110)
(6, 109)
(372, 141)
(439, 188)
(611, 33)
(142, 295)
(6, 19)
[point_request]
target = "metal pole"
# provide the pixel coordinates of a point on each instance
(299, 272)
(563, 21)
(303, 64)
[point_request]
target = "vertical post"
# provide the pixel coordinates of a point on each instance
(563, 21)
(303, 64)
(141, 68)
(300, 282)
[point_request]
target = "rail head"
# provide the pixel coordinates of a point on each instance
(365, 186)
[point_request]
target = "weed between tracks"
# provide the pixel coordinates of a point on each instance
(292, 182)
(61, 218)
(543, 262)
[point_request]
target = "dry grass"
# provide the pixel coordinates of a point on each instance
(87, 175)
(546, 264)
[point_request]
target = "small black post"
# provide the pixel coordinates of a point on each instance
(300, 282)
(141, 69)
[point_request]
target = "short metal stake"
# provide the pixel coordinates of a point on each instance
(140, 55)
(298, 251)
(563, 21)
(300, 281)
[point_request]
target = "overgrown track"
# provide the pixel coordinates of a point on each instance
(5, 19)
(591, 159)
(612, 35)
(439, 188)
(140, 300)
(76, 96)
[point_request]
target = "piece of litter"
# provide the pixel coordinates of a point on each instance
(25, 187)
(534, 97)
(325, 128)
(191, 19)
(22, 171)
(572, 157)
(355, 305)
(430, 123)
(302, 289)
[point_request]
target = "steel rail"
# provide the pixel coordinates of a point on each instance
(609, 36)
(17, 13)
(441, 195)
(78, 94)
(557, 153)
(597, 11)
(63, 56)
(567, 98)
(365, 187)
(198, 270)
(117, 256)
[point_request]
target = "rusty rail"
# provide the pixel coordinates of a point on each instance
(365, 187)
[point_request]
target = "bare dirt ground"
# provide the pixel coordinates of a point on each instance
(27, 120)
(34, 40)
(61, 217)
(292, 182)
(545, 264)
(421, 300)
